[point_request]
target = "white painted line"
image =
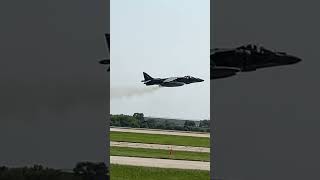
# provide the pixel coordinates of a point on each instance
(159, 146)
(165, 132)
(160, 163)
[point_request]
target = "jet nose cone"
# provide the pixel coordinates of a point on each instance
(297, 60)
(293, 60)
(284, 59)
(199, 80)
(104, 61)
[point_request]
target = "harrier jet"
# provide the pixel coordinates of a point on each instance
(169, 82)
(228, 62)
(107, 61)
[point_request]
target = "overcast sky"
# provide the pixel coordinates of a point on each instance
(267, 121)
(163, 38)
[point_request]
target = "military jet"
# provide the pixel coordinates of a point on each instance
(169, 82)
(107, 61)
(228, 62)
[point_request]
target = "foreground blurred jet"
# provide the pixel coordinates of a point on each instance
(107, 61)
(228, 62)
(169, 82)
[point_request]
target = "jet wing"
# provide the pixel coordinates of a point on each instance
(105, 61)
(170, 79)
(218, 72)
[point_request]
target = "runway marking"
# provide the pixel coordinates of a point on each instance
(160, 163)
(159, 146)
(160, 131)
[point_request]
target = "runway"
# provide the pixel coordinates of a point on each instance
(160, 131)
(159, 146)
(160, 163)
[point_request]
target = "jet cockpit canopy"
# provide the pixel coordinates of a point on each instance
(255, 48)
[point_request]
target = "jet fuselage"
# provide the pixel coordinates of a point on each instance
(169, 82)
(227, 62)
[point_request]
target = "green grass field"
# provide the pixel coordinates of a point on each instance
(159, 153)
(122, 172)
(160, 139)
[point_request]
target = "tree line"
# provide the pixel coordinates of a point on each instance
(82, 171)
(137, 120)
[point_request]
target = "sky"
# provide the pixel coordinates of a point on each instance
(267, 121)
(163, 38)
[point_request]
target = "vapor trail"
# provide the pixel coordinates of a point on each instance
(131, 91)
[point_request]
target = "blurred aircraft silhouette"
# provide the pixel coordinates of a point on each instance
(107, 61)
(228, 62)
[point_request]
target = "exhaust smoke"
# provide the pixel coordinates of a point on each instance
(131, 91)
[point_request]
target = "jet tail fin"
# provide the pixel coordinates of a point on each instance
(107, 35)
(147, 77)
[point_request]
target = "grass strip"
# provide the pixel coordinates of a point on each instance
(160, 139)
(124, 172)
(159, 153)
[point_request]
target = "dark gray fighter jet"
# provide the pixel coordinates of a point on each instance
(107, 61)
(228, 62)
(169, 82)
